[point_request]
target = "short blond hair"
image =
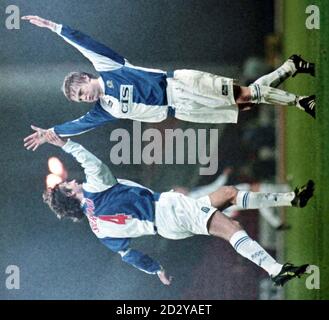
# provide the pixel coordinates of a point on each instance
(72, 83)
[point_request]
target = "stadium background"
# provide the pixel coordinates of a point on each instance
(62, 260)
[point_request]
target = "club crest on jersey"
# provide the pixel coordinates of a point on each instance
(109, 83)
(205, 209)
(126, 97)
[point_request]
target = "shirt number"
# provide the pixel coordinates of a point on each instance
(118, 218)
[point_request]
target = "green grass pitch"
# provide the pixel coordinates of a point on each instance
(307, 147)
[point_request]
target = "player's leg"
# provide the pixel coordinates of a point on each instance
(231, 210)
(223, 197)
(202, 97)
(229, 195)
(221, 226)
(257, 94)
(268, 215)
(293, 66)
(256, 200)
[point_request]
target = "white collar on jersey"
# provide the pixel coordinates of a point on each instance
(105, 98)
(102, 84)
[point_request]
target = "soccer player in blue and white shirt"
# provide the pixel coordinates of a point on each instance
(120, 210)
(125, 91)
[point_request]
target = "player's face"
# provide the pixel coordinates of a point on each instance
(89, 91)
(70, 186)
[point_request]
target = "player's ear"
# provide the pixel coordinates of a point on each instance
(86, 78)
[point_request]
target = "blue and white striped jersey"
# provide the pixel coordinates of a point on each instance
(130, 92)
(117, 210)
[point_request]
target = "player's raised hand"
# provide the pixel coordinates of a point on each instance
(36, 139)
(164, 278)
(52, 138)
(40, 22)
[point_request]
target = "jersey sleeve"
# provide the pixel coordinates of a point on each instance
(133, 257)
(98, 175)
(96, 117)
(102, 57)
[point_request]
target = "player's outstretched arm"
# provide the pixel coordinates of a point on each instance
(98, 176)
(96, 117)
(40, 22)
(102, 57)
(54, 139)
(41, 136)
(136, 258)
(36, 139)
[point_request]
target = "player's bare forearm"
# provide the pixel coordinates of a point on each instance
(40, 22)
(52, 138)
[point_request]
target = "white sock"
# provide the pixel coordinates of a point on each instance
(265, 187)
(256, 200)
(251, 250)
(275, 78)
(269, 95)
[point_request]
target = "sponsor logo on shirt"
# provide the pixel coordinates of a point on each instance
(126, 97)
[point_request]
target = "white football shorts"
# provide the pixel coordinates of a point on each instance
(178, 216)
(202, 97)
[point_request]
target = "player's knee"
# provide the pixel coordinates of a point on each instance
(230, 193)
(221, 226)
(242, 94)
(236, 92)
(236, 226)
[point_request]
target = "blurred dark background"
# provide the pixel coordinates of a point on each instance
(64, 260)
(144, 31)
